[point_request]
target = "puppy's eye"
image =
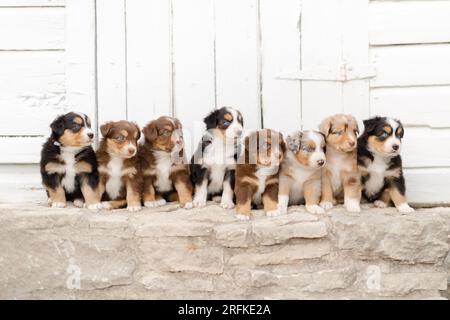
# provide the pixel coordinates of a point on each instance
(265, 146)
(166, 133)
(306, 149)
(226, 123)
(384, 135)
(337, 133)
(120, 139)
(76, 127)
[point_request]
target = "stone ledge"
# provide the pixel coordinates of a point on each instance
(207, 253)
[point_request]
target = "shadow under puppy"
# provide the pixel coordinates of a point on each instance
(380, 163)
(300, 174)
(68, 163)
(120, 181)
(164, 165)
(340, 176)
(213, 164)
(257, 173)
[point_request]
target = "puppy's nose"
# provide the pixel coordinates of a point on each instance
(321, 162)
(90, 135)
(395, 147)
(131, 150)
(352, 143)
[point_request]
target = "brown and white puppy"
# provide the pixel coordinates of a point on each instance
(257, 173)
(340, 177)
(120, 181)
(164, 165)
(68, 163)
(380, 163)
(300, 174)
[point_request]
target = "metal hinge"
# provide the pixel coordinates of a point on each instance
(346, 72)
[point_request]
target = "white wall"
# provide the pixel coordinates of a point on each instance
(285, 64)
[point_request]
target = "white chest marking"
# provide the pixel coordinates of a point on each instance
(337, 163)
(262, 174)
(68, 156)
(377, 170)
(163, 171)
(114, 183)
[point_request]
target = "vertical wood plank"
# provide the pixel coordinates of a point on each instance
(280, 40)
(149, 64)
(81, 57)
(193, 58)
(111, 60)
(321, 48)
(237, 67)
(355, 52)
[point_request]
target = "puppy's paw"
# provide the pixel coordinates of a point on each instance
(106, 205)
(217, 199)
(78, 203)
(134, 208)
(227, 204)
(352, 206)
(187, 205)
(326, 205)
(405, 208)
(155, 204)
(315, 209)
(380, 204)
(95, 206)
(282, 209)
(199, 203)
(274, 213)
(58, 204)
(242, 217)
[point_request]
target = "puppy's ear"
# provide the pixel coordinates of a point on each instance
(282, 144)
(211, 120)
(138, 131)
(150, 131)
(57, 126)
(294, 141)
(370, 124)
(104, 129)
(325, 126)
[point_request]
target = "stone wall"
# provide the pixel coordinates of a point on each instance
(205, 254)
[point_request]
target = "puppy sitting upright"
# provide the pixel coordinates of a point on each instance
(213, 164)
(340, 177)
(257, 173)
(68, 163)
(300, 174)
(120, 181)
(163, 164)
(380, 163)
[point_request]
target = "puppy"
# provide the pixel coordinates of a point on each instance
(257, 173)
(68, 163)
(380, 163)
(213, 164)
(300, 174)
(340, 177)
(120, 182)
(163, 164)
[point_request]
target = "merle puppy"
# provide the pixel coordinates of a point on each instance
(380, 163)
(68, 163)
(214, 163)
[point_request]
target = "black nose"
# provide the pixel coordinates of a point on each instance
(91, 135)
(320, 162)
(395, 147)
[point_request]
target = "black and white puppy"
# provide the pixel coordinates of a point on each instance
(68, 163)
(380, 163)
(213, 165)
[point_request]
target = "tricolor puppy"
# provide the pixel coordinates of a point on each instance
(257, 173)
(300, 174)
(214, 162)
(380, 163)
(340, 177)
(120, 180)
(68, 163)
(163, 163)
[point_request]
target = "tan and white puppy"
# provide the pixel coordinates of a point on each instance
(340, 176)
(300, 174)
(165, 169)
(257, 173)
(120, 181)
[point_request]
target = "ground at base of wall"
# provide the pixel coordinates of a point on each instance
(170, 253)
